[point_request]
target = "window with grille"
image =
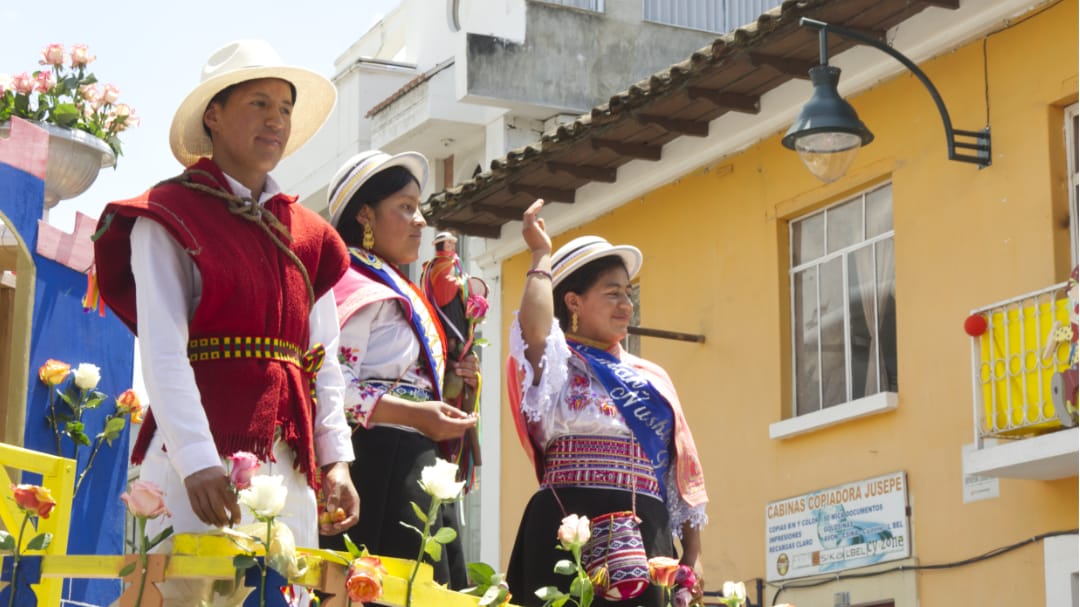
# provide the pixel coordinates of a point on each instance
(843, 302)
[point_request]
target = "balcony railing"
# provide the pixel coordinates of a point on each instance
(1016, 364)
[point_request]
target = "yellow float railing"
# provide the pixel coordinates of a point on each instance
(58, 476)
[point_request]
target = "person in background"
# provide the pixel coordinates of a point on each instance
(227, 283)
(393, 354)
(603, 428)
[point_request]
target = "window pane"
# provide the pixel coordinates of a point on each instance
(806, 340)
(845, 225)
(886, 295)
(879, 211)
(833, 365)
(863, 328)
(807, 239)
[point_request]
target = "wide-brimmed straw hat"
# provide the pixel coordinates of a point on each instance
(238, 62)
(357, 170)
(584, 249)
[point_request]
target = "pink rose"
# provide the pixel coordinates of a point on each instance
(91, 94)
(685, 577)
(44, 81)
(23, 83)
(80, 56)
(574, 531)
(683, 597)
(145, 500)
(52, 55)
(111, 94)
(244, 465)
(476, 307)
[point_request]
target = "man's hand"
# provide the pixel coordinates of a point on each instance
(341, 499)
(212, 498)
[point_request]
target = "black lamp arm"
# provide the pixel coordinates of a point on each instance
(976, 140)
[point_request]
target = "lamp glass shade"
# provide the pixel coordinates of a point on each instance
(828, 155)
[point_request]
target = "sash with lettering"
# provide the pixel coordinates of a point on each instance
(648, 414)
(418, 312)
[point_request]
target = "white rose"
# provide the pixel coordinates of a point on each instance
(734, 589)
(438, 480)
(265, 497)
(87, 376)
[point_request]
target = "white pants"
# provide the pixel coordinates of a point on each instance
(300, 514)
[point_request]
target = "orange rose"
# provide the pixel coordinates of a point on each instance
(34, 498)
(662, 570)
(53, 372)
(128, 402)
(363, 582)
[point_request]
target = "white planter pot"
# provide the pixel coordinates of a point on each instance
(75, 159)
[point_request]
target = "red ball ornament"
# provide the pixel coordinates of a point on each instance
(975, 325)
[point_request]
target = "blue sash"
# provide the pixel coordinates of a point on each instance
(647, 413)
(419, 315)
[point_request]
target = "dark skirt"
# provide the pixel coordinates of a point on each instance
(533, 559)
(386, 473)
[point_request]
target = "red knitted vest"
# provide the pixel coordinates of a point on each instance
(249, 289)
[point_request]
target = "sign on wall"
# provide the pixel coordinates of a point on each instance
(838, 528)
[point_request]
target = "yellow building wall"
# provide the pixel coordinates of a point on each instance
(715, 246)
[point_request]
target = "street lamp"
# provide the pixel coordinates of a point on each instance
(828, 133)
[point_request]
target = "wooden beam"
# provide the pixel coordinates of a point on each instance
(498, 211)
(796, 68)
(583, 171)
(548, 193)
(645, 332)
(951, 4)
(693, 128)
(472, 229)
(641, 151)
(747, 104)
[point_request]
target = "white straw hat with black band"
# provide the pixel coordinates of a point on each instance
(357, 170)
(580, 251)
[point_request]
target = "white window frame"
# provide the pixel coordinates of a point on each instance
(873, 404)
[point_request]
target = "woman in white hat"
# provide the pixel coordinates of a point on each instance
(228, 284)
(394, 358)
(604, 428)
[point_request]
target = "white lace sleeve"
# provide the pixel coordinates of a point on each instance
(679, 511)
(540, 399)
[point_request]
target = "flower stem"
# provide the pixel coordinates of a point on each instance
(55, 423)
(266, 557)
(432, 512)
(15, 560)
(89, 462)
(142, 558)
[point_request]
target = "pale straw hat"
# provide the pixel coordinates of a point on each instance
(238, 62)
(357, 170)
(580, 251)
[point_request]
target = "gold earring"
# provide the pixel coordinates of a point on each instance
(369, 237)
(573, 322)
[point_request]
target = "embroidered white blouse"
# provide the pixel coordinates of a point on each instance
(570, 400)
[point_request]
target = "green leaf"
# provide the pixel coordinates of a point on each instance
(419, 513)
(113, 428)
(127, 570)
(354, 550)
(565, 567)
(480, 573)
(7, 541)
(40, 542)
(433, 549)
(65, 114)
(587, 592)
(70, 396)
(549, 593)
(160, 537)
(93, 399)
(244, 561)
(445, 535)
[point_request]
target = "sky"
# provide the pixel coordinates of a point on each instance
(154, 53)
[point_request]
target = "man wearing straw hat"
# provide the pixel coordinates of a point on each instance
(227, 283)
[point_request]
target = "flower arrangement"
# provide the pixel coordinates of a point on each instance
(80, 396)
(573, 534)
(65, 94)
(678, 581)
(145, 501)
(36, 503)
(438, 481)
